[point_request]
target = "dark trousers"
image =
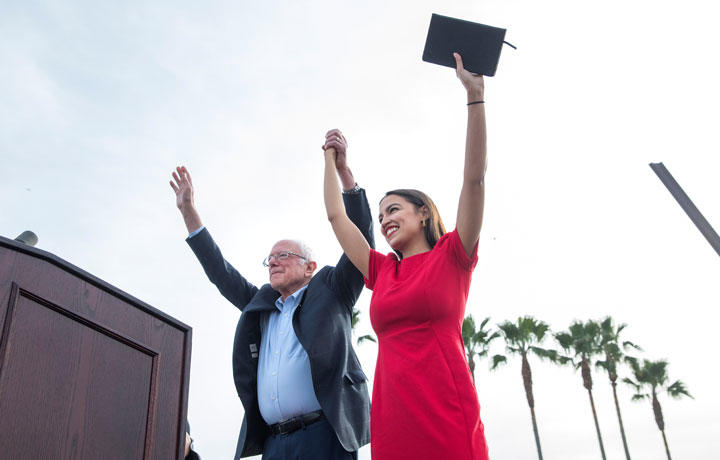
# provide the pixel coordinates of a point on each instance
(314, 442)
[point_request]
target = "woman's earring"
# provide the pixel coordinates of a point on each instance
(423, 223)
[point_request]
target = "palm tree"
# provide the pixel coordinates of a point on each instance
(582, 341)
(520, 339)
(653, 374)
(614, 354)
(354, 322)
(476, 341)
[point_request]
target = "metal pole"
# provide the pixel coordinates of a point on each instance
(690, 209)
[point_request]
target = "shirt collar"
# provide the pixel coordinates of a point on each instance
(292, 298)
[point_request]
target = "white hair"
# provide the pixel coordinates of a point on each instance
(305, 250)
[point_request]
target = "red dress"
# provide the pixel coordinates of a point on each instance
(424, 403)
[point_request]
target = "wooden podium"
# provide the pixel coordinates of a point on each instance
(86, 370)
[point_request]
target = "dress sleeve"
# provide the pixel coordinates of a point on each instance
(455, 250)
(376, 261)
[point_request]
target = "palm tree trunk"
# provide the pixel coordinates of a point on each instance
(660, 420)
(587, 383)
(622, 428)
(535, 431)
(597, 426)
(667, 449)
(471, 365)
(527, 381)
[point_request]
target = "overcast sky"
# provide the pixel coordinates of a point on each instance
(99, 101)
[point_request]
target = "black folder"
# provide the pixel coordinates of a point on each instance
(479, 45)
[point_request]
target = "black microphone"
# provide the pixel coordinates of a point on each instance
(28, 238)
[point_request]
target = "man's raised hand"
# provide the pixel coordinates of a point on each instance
(183, 188)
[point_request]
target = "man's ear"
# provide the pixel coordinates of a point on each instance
(310, 268)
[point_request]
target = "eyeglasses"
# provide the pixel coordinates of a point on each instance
(281, 256)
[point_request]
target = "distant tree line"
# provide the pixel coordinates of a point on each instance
(583, 344)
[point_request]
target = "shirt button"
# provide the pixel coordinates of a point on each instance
(273, 398)
(277, 352)
(274, 373)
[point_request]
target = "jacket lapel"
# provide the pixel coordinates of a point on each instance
(264, 300)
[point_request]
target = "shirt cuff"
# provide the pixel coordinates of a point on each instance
(202, 227)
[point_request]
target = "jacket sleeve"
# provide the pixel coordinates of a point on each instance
(192, 455)
(344, 279)
(231, 284)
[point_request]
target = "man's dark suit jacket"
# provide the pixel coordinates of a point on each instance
(323, 327)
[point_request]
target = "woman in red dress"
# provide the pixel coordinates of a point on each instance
(424, 403)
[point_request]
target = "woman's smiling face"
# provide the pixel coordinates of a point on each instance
(400, 221)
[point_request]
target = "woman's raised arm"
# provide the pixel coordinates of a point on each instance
(472, 194)
(348, 235)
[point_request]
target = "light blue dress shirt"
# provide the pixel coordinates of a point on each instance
(285, 387)
(199, 229)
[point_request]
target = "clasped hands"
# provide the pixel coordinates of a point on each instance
(334, 139)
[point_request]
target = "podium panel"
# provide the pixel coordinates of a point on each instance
(86, 371)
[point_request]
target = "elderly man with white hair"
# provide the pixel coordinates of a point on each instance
(296, 372)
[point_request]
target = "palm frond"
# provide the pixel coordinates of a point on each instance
(543, 353)
(677, 390)
(477, 340)
(603, 365)
(628, 344)
(654, 372)
(620, 328)
(540, 330)
(564, 339)
(494, 335)
(632, 362)
(497, 360)
(612, 349)
(484, 322)
(630, 382)
(510, 331)
(552, 355)
(468, 332)
(367, 337)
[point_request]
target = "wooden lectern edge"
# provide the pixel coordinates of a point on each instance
(94, 280)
